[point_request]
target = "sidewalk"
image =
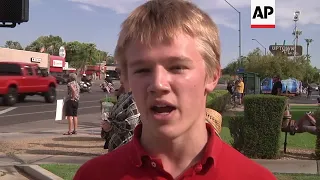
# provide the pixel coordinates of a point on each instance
(24, 161)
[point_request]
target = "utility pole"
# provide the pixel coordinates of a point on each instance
(296, 19)
(239, 30)
(265, 49)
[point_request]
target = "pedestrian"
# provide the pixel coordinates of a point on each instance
(169, 53)
(124, 117)
(230, 86)
(121, 89)
(240, 90)
(309, 91)
(72, 104)
(277, 86)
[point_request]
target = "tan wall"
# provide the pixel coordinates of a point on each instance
(13, 55)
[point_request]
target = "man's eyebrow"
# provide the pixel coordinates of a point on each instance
(137, 62)
(179, 58)
(168, 60)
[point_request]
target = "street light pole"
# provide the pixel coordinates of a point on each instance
(238, 29)
(265, 49)
(295, 19)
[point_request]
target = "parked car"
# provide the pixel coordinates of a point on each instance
(61, 79)
(314, 87)
(18, 80)
(113, 74)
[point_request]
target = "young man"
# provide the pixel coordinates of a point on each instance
(277, 86)
(169, 52)
(240, 89)
(72, 104)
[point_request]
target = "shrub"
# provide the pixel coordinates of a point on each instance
(236, 132)
(262, 125)
(317, 149)
(111, 99)
(218, 100)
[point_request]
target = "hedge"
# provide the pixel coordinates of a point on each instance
(236, 132)
(262, 125)
(317, 149)
(218, 100)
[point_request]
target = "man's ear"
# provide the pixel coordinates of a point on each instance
(212, 82)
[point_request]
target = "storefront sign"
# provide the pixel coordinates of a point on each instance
(57, 63)
(36, 60)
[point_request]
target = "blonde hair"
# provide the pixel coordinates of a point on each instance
(161, 21)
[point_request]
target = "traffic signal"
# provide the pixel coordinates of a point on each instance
(14, 11)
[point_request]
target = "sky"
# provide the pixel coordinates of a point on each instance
(98, 21)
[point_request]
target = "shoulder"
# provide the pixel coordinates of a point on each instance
(107, 166)
(240, 166)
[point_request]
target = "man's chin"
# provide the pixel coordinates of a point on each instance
(166, 131)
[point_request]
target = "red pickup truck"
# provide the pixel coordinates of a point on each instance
(18, 80)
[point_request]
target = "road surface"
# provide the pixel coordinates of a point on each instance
(34, 114)
(35, 111)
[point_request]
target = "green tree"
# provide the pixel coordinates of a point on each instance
(49, 44)
(78, 54)
(269, 65)
(13, 45)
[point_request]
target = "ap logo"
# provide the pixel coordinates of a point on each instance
(263, 14)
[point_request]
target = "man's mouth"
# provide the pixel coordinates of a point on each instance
(163, 107)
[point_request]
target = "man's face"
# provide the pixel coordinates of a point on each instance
(274, 79)
(168, 84)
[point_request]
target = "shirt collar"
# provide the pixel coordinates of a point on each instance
(211, 151)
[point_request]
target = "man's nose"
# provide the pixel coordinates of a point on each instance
(159, 84)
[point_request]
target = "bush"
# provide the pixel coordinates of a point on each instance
(218, 100)
(111, 99)
(262, 125)
(317, 149)
(236, 132)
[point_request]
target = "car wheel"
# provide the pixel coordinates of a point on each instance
(51, 95)
(10, 98)
(21, 97)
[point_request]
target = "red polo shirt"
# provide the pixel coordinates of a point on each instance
(131, 162)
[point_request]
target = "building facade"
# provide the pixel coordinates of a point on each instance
(13, 55)
(56, 64)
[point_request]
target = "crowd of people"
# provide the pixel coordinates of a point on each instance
(236, 89)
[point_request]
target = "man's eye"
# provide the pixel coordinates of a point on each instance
(143, 70)
(178, 68)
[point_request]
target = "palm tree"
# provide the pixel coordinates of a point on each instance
(308, 41)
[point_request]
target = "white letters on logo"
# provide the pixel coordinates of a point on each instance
(36, 60)
(56, 63)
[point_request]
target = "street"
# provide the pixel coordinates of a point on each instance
(34, 113)
(303, 99)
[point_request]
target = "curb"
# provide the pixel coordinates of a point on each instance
(290, 166)
(294, 104)
(37, 172)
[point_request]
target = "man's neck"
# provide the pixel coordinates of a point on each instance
(180, 153)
